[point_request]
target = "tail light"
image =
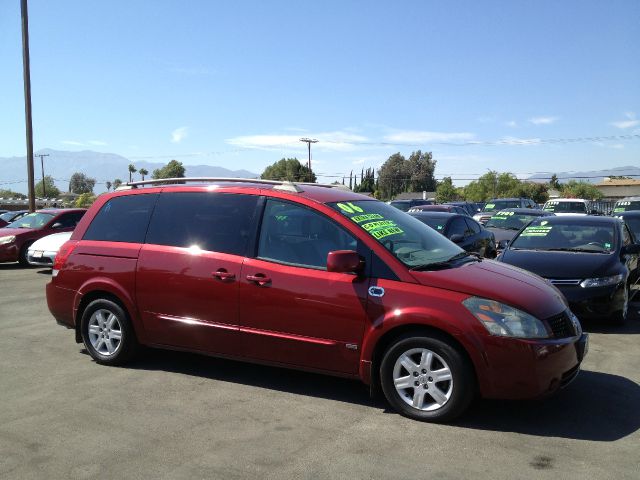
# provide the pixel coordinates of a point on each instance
(63, 254)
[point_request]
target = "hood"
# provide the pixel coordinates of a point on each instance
(501, 233)
(5, 232)
(501, 282)
(562, 264)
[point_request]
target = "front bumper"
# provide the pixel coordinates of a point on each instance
(522, 369)
(42, 258)
(9, 253)
(594, 303)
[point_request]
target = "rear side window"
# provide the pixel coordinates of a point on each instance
(122, 219)
(217, 222)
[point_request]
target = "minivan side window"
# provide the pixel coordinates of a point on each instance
(122, 219)
(296, 235)
(217, 222)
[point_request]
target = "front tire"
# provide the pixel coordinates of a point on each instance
(23, 256)
(427, 379)
(620, 317)
(107, 333)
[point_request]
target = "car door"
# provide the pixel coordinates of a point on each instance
(292, 310)
(188, 269)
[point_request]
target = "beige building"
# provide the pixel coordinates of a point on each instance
(615, 189)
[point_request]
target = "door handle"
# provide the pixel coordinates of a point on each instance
(259, 278)
(222, 274)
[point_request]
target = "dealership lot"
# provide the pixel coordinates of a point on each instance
(176, 415)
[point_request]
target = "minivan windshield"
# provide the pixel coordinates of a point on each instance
(565, 207)
(556, 235)
(626, 205)
(33, 220)
(411, 241)
(495, 205)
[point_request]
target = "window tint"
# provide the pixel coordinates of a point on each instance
(457, 226)
(122, 219)
(69, 220)
(299, 236)
(474, 227)
(217, 222)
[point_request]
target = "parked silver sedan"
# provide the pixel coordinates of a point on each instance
(42, 252)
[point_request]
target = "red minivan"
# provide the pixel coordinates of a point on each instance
(315, 278)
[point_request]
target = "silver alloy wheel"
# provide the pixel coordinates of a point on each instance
(105, 332)
(423, 379)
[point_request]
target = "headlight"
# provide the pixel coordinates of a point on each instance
(7, 239)
(594, 282)
(505, 321)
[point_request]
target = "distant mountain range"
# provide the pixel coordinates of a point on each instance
(591, 176)
(101, 166)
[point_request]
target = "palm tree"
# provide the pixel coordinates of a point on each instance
(132, 170)
(143, 172)
(116, 183)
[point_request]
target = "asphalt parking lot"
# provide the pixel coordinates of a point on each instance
(176, 415)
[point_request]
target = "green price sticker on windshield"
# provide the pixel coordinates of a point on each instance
(489, 205)
(540, 231)
(350, 208)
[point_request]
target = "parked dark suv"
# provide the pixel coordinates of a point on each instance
(315, 278)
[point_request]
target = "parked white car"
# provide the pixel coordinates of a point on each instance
(568, 206)
(42, 252)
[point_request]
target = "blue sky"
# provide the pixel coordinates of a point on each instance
(236, 84)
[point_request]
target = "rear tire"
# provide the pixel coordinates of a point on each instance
(107, 333)
(427, 379)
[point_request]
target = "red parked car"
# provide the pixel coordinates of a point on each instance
(16, 237)
(314, 278)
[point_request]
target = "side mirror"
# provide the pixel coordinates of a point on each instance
(344, 261)
(456, 238)
(502, 244)
(633, 249)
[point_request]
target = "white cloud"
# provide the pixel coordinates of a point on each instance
(98, 143)
(618, 146)
(630, 122)
(543, 120)
(415, 136)
(73, 142)
(337, 141)
(179, 134)
(518, 141)
(512, 124)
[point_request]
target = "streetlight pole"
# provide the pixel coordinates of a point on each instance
(309, 141)
(44, 186)
(27, 103)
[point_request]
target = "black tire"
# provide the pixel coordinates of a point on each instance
(23, 255)
(620, 317)
(461, 388)
(106, 348)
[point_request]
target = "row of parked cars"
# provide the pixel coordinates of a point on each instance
(323, 279)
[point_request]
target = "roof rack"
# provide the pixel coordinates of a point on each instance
(278, 184)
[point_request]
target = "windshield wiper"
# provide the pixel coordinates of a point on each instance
(576, 249)
(445, 263)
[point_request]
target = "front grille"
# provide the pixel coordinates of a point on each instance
(562, 326)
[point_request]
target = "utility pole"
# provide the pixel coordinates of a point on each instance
(309, 141)
(44, 186)
(27, 103)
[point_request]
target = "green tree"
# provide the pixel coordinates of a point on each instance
(573, 189)
(81, 183)
(85, 200)
(399, 175)
(554, 183)
(116, 183)
(445, 191)
(132, 170)
(50, 190)
(4, 193)
(288, 169)
(492, 185)
(143, 172)
(173, 169)
(108, 185)
(367, 182)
